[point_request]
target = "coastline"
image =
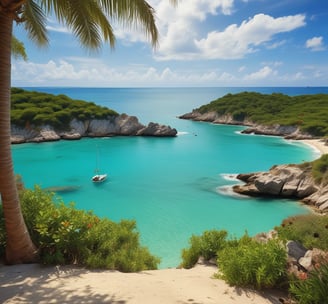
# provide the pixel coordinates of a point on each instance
(317, 144)
(34, 283)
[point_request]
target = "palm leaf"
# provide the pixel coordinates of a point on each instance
(34, 22)
(18, 49)
(133, 13)
(85, 18)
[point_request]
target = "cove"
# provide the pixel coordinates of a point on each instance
(172, 187)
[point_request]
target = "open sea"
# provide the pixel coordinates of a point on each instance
(172, 187)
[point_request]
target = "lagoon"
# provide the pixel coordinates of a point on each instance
(172, 187)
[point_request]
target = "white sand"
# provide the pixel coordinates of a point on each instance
(317, 144)
(36, 284)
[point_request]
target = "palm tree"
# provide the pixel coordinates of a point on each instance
(89, 20)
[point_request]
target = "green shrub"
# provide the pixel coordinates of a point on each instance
(311, 230)
(313, 289)
(66, 235)
(249, 263)
(207, 245)
(320, 169)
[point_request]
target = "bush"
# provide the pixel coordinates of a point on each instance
(311, 230)
(65, 235)
(207, 245)
(313, 289)
(249, 263)
(320, 169)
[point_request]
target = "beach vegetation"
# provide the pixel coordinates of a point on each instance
(308, 112)
(320, 170)
(66, 235)
(206, 245)
(37, 108)
(243, 262)
(311, 289)
(249, 263)
(311, 230)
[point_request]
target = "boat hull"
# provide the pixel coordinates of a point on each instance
(99, 178)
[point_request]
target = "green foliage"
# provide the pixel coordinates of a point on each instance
(313, 289)
(65, 235)
(311, 230)
(35, 108)
(320, 169)
(309, 112)
(207, 245)
(249, 263)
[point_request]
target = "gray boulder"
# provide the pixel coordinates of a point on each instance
(155, 129)
(295, 250)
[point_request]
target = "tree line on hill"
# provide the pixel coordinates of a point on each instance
(309, 112)
(36, 108)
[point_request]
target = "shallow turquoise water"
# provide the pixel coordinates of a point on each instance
(172, 187)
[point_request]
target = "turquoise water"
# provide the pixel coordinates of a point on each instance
(172, 187)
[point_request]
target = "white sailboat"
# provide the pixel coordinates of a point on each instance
(98, 177)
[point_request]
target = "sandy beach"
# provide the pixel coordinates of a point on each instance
(33, 283)
(317, 144)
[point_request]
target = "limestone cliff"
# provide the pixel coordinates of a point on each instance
(113, 126)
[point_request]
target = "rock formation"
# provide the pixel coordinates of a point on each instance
(113, 126)
(288, 132)
(285, 181)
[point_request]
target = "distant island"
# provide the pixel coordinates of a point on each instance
(294, 117)
(39, 117)
(298, 117)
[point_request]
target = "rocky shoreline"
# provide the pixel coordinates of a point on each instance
(121, 125)
(281, 181)
(285, 181)
(288, 132)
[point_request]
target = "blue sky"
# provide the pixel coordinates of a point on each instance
(202, 43)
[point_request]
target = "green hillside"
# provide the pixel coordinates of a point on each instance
(310, 112)
(35, 108)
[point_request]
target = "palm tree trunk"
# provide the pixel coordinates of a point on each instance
(19, 247)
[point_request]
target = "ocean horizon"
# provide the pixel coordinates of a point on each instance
(172, 187)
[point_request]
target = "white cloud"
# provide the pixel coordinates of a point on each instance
(96, 73)
(315, 44)
(59, 29)
(54, 26)
(263, 73)
(179, 26)
(234, 42)
(241, 69)
(276, 44)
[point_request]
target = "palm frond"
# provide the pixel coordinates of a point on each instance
(18, 49)
(34, 22)
(85, 18)
(90, 20)
(133, 13)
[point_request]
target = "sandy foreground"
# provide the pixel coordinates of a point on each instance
(34, 283)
